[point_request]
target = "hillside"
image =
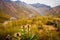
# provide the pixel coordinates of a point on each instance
(3, 16)
(57, 11)
(47, 10)
(17, 9)
(44, 9)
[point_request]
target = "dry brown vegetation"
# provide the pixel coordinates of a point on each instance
(38, 28)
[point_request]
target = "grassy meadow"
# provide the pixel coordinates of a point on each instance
(37, 28)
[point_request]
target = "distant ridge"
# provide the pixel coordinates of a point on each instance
(37, 5)
(44, 9)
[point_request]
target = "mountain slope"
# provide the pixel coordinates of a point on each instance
(44, 9)
(47, 10)
(57, 11)
(18, 9)
(3, 16)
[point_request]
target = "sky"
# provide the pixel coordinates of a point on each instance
(51, 3)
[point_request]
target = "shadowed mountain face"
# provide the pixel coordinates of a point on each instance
(17, 9)
(47, 10)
